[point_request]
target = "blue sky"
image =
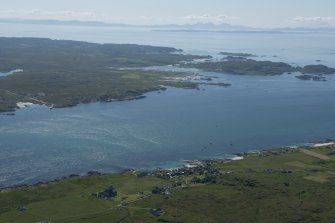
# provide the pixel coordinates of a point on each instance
(256, 13)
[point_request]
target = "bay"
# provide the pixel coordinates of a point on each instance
(167, 127)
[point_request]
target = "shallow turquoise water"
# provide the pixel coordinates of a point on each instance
(165, 128)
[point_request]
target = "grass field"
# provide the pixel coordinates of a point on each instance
(273, 186)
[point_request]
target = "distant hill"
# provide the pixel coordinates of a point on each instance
(197, 26)
(205, 26)
(225, 27)
(59, 22)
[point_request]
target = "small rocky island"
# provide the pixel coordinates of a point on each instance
(237, 54)
(307, 77)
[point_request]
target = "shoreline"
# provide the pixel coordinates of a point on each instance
(188, 165)
(192, 81)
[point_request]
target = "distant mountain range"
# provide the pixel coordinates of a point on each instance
(197, 26)
(205, 26)
(59, 22)
(224, 27)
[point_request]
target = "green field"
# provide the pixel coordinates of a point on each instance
(283, 185)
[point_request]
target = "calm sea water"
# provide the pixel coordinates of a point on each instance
(165, 128)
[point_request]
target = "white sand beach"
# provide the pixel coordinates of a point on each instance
(323, 144)
(23, 104)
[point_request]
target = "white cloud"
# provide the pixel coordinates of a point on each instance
(74, 15)
(42, 14)
(317, 20)
(208, 18)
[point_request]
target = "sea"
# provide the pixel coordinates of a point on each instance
(167, 127)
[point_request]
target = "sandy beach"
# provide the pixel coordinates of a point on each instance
(24, 104)
(323, 144)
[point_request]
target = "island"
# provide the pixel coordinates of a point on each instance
(237, 54)
(308, 77)
(243, 66)
(60, 73)
(277, 185)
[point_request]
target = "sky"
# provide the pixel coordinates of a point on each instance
(253, 13)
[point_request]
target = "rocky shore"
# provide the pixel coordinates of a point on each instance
(190, 167)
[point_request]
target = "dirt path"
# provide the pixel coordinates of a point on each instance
(315, 154)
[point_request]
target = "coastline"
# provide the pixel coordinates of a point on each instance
(189, 165)
(317, 145)
(192, 81)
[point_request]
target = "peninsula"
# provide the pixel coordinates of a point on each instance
(62, 73)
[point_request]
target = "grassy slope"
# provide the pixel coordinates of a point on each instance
(231, 199)
(65, 73)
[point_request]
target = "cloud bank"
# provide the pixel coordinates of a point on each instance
(42, 14)
(208, 18)
(315, 21)
(39, 14)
